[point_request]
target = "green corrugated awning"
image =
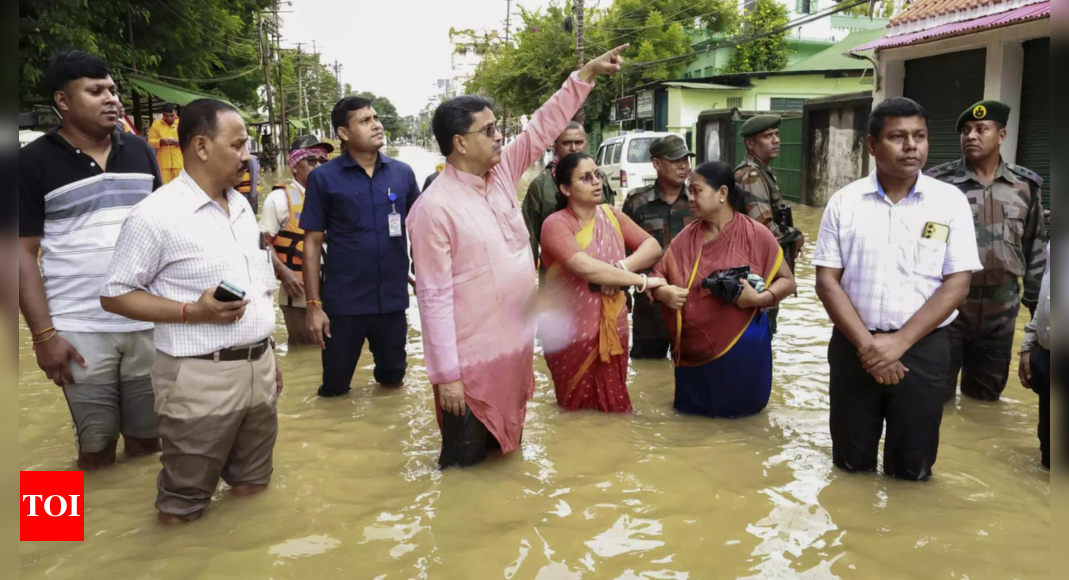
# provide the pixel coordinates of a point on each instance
(177, 95)
(297, 124)
(833, 59)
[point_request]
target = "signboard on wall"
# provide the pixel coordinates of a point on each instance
(645, 105)
(625, 109)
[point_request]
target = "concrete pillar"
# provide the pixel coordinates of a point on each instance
(892, 80)
(1003, 82)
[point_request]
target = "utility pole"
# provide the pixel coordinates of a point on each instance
(337, 76)
(284, 130)
(302, 103)
(580, 32)
(265, 59)
(580, 47)
(319, 85)
(133, 65)
(508, 22)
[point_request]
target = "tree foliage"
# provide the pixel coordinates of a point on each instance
(318, 82)
(523, 74)
(770, 53)
(879, 9)
(190, 39)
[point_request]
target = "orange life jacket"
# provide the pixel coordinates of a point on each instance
(289, 243)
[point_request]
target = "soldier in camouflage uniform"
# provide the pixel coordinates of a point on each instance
(663, 210)
(1007, 206)
(760, 186)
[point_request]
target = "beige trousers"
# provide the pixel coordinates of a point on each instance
(215, 420)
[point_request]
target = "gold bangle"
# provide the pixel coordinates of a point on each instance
(47, 338)
(318, 303)
(44, 332)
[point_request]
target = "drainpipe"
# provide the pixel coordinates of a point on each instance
(875, 68)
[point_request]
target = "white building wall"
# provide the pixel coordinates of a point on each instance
(1004, 74)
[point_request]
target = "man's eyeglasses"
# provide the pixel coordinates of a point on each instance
(490, 131)
(315, 161)
(591, 178)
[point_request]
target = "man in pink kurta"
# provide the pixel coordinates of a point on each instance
(475, 270)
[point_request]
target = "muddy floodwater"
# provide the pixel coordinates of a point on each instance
(657, 496)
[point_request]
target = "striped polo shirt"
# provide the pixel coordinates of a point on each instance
(78, 209)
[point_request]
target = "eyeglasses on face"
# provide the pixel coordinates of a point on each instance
(315, 161)
(591, 178)
(490, 131)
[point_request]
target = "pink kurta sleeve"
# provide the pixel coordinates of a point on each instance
(634, 236)
(433, 261)
(546, 125)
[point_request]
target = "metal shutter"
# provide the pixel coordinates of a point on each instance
(946, 85)
(1033, 148)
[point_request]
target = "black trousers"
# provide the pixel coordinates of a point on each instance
(649, 337)
(1041, 385)
(465, 441)
(912, 410)
(386, 335)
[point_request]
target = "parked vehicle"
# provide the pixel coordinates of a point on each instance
(27, 137)
(625, 160)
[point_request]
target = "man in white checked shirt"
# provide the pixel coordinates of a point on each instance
(895, 257)
(215, 378)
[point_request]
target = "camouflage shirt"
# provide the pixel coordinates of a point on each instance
(662, 221)
(760, 195)
(1008, 216)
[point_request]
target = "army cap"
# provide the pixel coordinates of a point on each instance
(672, 148)
(986, 111)
(308, 141)
(760, 124)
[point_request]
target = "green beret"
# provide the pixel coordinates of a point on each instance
(672, 148)
(986, 111)
(760, 124)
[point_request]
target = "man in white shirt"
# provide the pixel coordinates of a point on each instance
(895, 257)
(280, 224)
(1035, 371)
(215, 378)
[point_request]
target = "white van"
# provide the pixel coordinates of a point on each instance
(625, 160)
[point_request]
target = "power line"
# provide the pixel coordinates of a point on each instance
(220, 38)
(734, 43)
(668, 20)
(220, 33)
(199, 81)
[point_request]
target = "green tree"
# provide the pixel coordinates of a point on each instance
(522, 75)
(879, 9)
(770, 53)
(319, 85)
(202, 40)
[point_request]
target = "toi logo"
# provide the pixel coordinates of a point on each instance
(52, 506)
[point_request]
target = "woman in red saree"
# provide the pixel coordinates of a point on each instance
(584, 249)
(722, 351)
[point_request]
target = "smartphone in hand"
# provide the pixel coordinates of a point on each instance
(227, 292)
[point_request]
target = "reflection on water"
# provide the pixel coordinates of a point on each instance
(653, 496)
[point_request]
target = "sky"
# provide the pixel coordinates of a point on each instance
(394, 48)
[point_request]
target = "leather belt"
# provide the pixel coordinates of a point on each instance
(1003, 292)
(241, 354)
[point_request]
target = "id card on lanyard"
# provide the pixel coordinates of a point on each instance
(395, 218)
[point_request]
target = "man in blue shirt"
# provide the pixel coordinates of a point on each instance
(361, 199)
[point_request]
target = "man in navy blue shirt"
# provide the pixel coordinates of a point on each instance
(360, 201)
